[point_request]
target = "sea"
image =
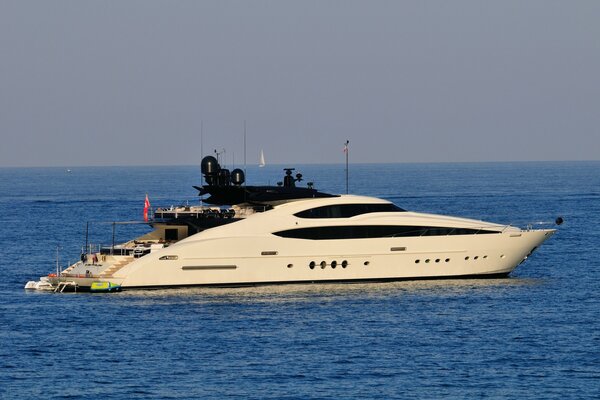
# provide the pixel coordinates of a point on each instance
(533, 335)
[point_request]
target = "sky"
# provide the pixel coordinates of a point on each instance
(163, 82)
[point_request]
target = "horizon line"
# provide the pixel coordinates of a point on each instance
(284, 164)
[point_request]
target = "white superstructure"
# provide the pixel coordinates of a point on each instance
(250, 251)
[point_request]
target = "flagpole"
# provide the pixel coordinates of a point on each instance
(346, 151)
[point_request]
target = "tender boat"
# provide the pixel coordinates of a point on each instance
(103, 286)
(250, 235)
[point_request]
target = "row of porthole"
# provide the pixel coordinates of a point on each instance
(438, 260)
(344, 264)
(467, 258)
(323, 264)
(427, 261)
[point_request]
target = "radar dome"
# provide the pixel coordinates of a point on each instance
(210, 165)
(237, 177)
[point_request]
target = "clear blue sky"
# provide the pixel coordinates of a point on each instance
(129, 82)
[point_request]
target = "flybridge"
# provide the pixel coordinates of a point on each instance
(227, 187)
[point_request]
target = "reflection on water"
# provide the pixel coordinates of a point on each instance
(327, 291)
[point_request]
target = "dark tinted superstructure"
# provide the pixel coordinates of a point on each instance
(347, 210)
(374, 231)
(226, 187)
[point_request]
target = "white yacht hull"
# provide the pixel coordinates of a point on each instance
(286, 245)
(268, 260)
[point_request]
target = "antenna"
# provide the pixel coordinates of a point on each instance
(87, 234)
(219, 154)
(244, 150)
(57, 264)
(245, 174)
(346, 151)
(201, 149)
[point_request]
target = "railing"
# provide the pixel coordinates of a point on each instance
(207, 213)
(116, 251)
(474, 230)
(543, 224)
(203, 212)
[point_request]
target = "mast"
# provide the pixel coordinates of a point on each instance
(346, 151)
(201, 150)
(245, 174)
(57, 263)
(87, 234)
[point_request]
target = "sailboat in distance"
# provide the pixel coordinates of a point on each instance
(261, 162)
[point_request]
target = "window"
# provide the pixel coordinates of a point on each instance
(171, 234)
(347, 210)
(373, 231)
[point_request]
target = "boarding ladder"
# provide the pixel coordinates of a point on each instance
(63, 285)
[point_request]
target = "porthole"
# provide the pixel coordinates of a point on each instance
(437, 260)
(417, 261)
(475, 258)
(467, 258)
(323, 264)
(290, 265)
(366, 263)
(447, 260)
(427, 261)
(333, 264)
(484, 257)
(502, 256)
(312, 265)
(344, 264)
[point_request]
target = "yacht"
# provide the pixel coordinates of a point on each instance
(251, 235)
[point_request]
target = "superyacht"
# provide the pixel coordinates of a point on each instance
(251, 235)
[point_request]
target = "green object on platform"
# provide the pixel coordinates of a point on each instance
(104, 287)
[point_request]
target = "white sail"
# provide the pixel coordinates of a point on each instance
(261, 162)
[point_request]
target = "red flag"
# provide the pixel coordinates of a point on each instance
(146, 208)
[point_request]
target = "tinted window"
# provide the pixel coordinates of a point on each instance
(374, 231)
(171, 234)
(346, 210)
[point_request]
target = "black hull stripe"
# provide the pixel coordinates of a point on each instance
(207, 267)
(309, 282)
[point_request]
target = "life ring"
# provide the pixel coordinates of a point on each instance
(51, 275)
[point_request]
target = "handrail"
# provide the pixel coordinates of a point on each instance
(541, 224)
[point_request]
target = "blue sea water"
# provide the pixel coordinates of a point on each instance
(535, 334)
